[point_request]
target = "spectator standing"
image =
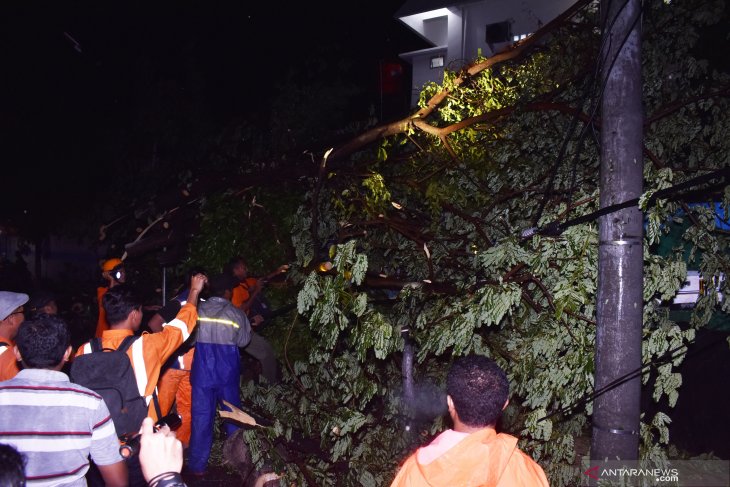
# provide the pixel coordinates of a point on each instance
(55, 423)
(215, 376)
(472, 453)
(12, 308)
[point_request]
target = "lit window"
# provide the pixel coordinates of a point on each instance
(437, 62)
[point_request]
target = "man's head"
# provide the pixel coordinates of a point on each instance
(11, 312)
(43, 302)
(113, 270)
(221, 285)
(43, 342)
(238, 268)
(479, 389)
(122, 306)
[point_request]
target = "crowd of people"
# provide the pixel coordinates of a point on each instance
(191, 355)
(60, 425)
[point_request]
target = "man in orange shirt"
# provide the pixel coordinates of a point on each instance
(112, 270)
(244, 296)
(11, 316)
(472, 453)
(150, 352)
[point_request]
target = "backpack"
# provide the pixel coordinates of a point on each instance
(109, 373)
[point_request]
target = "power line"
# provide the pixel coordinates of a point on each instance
(668, 356)
(555, 228)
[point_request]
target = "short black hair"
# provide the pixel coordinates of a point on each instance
(12, 467)
(232, 262)
(42, 341)
(220, 283)
(479, 389)
(39, 299)
(118, 302)
(236, 259)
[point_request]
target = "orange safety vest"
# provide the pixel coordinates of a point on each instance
(8, 361)
(482, 459)
(240, 293)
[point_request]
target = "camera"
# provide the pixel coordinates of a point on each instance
(130, 443)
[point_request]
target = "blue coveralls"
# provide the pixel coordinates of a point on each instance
(216, 372)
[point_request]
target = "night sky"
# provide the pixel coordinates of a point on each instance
(81, 80)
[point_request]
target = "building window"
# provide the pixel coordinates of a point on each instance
(437, 62)
(499, 32)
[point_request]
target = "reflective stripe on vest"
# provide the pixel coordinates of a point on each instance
(219, 320)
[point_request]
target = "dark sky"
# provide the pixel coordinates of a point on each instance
(79, 78)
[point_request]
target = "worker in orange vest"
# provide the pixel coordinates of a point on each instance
(472, 453)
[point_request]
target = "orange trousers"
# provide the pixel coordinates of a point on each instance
(174, 388)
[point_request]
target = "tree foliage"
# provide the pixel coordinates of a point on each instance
(451, 234)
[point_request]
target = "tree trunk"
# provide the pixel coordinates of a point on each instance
(620, 265)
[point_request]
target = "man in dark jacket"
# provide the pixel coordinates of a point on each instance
(216, 369)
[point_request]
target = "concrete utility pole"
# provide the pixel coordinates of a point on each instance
(620, 262)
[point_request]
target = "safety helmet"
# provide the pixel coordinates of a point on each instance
(111, 264)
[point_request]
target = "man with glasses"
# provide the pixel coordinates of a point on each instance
(11, 316)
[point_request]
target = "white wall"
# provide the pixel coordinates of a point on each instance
(463, 32)
(422, 72)
(526, 15)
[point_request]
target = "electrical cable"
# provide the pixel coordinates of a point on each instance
(555, 228)
(589, 93)
(593, 103)
(652, 364)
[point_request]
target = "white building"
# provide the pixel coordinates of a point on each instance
(461, 30)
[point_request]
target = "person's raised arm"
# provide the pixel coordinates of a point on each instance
(279, 270)
(196, 285)
(255, 289)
